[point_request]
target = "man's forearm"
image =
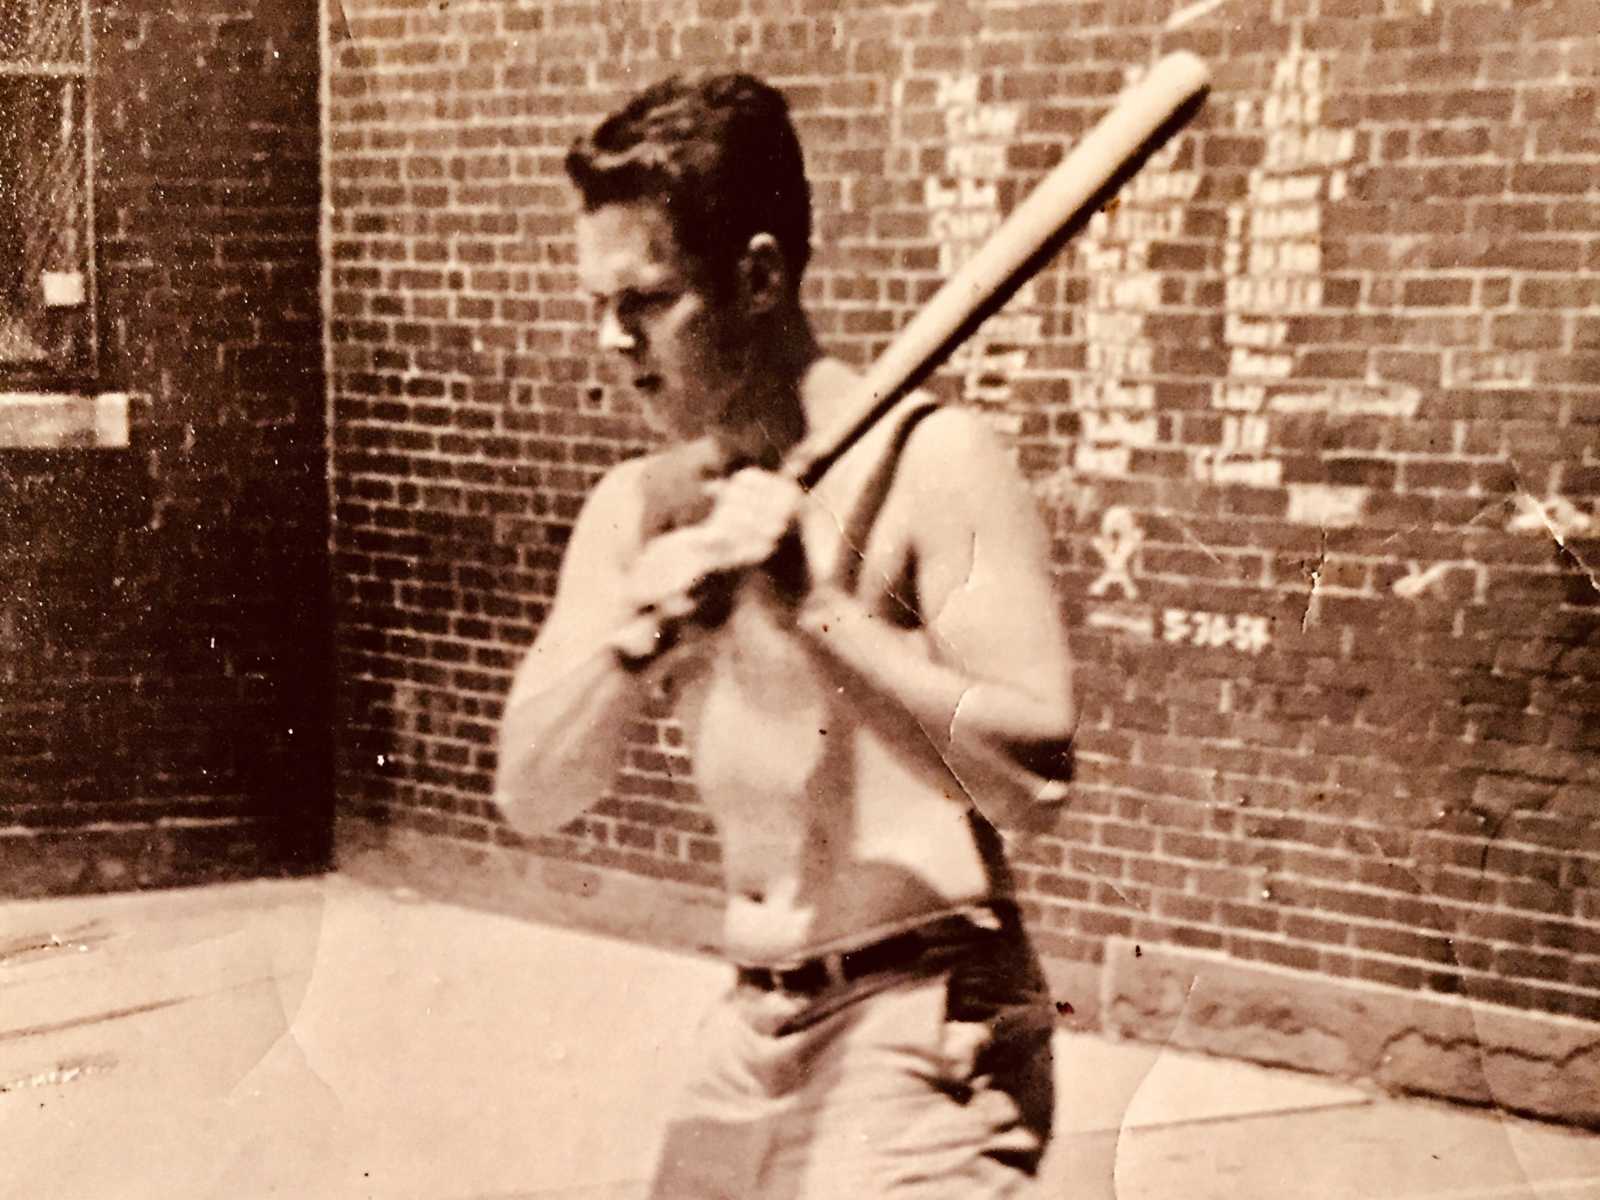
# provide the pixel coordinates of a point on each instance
(560, 743)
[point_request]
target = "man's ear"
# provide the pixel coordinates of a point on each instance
(763, 275)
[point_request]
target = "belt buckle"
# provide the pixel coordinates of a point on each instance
(763, 979)
(804, 975)
(800, 978)
(833, 966)
(788, 979)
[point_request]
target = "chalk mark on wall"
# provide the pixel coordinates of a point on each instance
(1418, 582)
(1134, 623)
(1193, 12)
(1272, 266)
(1480, 369)
(1120, 538)
(1327, 505)
(1555, 515)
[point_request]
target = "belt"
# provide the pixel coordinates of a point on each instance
(896, 952)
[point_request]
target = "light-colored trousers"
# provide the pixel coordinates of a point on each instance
(933, 1084)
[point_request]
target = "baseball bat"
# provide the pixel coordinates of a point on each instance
(1141, 120)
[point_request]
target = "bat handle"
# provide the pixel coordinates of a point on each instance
(654, 631)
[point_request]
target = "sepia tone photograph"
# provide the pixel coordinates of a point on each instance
(799, 599)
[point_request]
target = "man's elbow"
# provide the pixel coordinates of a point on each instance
(1052, 721)
(1062, 713)
(1063, 721)
(538, 793)
(1069, 726)
(521, 780)
(510, 800)
(1049, 752)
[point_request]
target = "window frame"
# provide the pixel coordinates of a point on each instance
(77, 371)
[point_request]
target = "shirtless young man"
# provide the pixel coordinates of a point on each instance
(887, 1030)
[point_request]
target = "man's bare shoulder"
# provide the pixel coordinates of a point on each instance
(609, 524)
(954, 454)
(645, 495)
(618, 488)
(623, 479)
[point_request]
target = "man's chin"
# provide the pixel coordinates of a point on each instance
(667, 418)
(689, 418)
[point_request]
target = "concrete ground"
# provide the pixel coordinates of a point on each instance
(323, 1039)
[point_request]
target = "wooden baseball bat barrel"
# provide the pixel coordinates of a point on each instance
(1139, 122)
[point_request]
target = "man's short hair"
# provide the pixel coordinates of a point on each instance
(719, 154)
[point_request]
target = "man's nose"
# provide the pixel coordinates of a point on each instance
(614, 335)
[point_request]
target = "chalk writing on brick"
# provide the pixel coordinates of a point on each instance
(1239, 458)
(965, 208)
(1272, 263)
(1062, 490)
(1474, 368)
(1350, 400)
(1244, 632)
(1115, 253)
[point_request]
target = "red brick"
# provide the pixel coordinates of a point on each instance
(1438, 293)
(1454, 142)
(1564, 293)
(1481, 25)
(1550, 178)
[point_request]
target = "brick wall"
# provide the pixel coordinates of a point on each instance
(163, 614)
(1314, 411)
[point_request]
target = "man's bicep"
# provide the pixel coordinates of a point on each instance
(985, 574)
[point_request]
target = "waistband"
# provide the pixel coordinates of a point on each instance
(908, 946)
